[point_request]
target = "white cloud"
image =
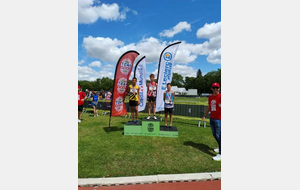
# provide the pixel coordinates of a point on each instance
(87, 73)
(213, 46)
(108, 67)
(185, 71)
(110, 50)
(81, 62)
(106, 49)
(214, 57)
(89, 12)
(95, 64)
(123, 13)
(176, 29)
(209, 31)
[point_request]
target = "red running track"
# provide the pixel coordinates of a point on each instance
(195, 185)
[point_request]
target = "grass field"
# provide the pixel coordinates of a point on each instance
(111, 154)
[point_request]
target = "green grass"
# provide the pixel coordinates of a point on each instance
(111, 154)
(183, 100)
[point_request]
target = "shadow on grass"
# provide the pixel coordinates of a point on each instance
(190, 122)
(113, 129)
(202, 147)
(89, 111)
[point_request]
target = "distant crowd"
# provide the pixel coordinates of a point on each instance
(101, 94)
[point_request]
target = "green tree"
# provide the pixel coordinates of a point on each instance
(106, 83)
(203, 83)
(200, 84)
(199, 73)
(189, 83)
(85, 85)
(177, 80)
(211, 77)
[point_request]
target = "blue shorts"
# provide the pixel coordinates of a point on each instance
(94, 104)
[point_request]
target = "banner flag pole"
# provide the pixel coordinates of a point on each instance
(164, 75)
(140, 74)
(122, 73)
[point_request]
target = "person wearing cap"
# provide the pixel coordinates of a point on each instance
(81, 98)
(88, 94)
(214, 106)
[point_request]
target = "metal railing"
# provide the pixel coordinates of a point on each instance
(179, 109)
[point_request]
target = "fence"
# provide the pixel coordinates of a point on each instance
(179, 109)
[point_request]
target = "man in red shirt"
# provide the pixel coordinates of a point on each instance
(214, 106)
(81, 97)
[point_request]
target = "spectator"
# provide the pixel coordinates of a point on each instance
(95, 103)
(88, 94)
(102, 94)
(214, 106)
(108, 96)
(81, 98)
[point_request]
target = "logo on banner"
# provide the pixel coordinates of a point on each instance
(140, 82)
(119, 104)
(122, 84)
(141, 96)
(125, 66)
(167, 75)
(167, 56)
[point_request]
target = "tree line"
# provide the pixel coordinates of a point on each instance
(201, 83)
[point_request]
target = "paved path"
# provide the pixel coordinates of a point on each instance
(205, 185)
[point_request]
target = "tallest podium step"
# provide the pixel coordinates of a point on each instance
(150, 127)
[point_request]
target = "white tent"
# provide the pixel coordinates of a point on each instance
(192, 92)
(182, 90)
(175, 89)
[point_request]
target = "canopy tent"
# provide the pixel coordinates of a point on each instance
(182, 91)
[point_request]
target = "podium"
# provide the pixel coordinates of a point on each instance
(150, 127)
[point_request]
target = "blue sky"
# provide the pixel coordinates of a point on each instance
(107, 29)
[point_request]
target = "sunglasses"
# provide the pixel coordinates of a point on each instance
(215, 87)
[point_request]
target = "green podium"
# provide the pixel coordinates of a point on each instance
(151, 128)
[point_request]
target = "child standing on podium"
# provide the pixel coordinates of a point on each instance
(134, 100)
(151, 96)
(169, 98)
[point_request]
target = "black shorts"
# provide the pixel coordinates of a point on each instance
(169, 110)
(133, 103)
(151, 99)
(80, 108)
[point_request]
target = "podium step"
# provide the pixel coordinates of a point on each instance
(129, 123)
(150, 127)
(164, 128)
(151, 119)
(168, 131)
